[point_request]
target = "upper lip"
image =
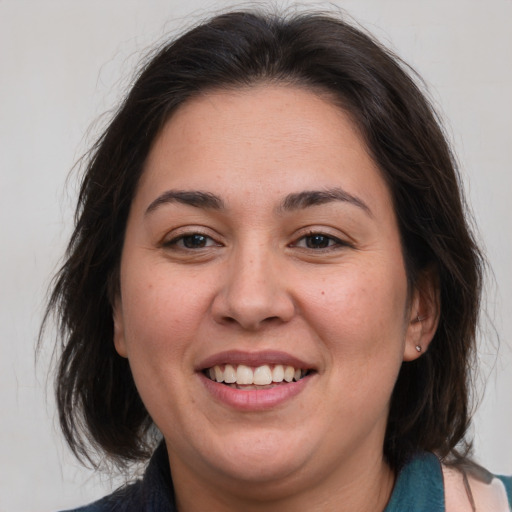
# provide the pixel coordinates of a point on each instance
(255, 359)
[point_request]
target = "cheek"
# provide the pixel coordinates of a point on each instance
(161, 311)
(160, 323)
(356, 302)
(360, 322)
(359, 319)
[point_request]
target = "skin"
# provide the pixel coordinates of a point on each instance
(258, 280)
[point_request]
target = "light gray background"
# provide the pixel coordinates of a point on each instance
(65, 62)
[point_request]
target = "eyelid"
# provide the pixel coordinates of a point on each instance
(327, 231)
(329, 237)
(181, 238)
(174, 236)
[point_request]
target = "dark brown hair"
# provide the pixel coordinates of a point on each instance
(98, 403)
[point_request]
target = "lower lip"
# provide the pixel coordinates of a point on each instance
(254, 399)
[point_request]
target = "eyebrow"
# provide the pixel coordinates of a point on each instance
(301, 200)
(295, 201)
(195, 198)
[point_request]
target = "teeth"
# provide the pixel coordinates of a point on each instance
(244, 375)
(289, 373)
(261, 376)
(278, 373)
(219, 374)
(229, 374)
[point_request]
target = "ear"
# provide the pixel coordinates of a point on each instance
(117, 315)
(423, 315)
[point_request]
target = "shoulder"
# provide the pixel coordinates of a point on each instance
(153, 493)
(424, 484)
(473, 489)
(97, 506)
(122, 500)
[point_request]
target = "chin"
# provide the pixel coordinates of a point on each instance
(258, 457)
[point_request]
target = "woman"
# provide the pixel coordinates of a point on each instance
(272, 273)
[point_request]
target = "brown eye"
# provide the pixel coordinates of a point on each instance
(191, 241)
(318, 241)
(195, 241)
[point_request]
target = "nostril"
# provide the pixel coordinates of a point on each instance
(252, 324)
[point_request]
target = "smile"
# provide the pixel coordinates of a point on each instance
(246, 377)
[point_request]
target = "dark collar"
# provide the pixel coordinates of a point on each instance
(156, 490)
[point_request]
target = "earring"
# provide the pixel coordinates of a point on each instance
(419, 319)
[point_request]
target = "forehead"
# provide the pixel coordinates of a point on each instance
(261, 136)
(263, 114)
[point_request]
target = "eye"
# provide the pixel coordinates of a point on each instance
(191, 241)
(318, 241)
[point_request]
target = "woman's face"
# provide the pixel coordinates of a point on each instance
(262, 246)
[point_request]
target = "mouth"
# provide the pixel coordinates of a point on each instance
(267, 376)
(259, 381)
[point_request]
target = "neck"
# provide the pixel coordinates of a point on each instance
(356, 487)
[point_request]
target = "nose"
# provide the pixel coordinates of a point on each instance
(254, 291)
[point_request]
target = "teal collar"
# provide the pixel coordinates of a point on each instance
(419, 486)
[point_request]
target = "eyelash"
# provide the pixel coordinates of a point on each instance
(332, 241)
(181, 239)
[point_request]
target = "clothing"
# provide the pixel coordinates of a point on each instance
(419, 488)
